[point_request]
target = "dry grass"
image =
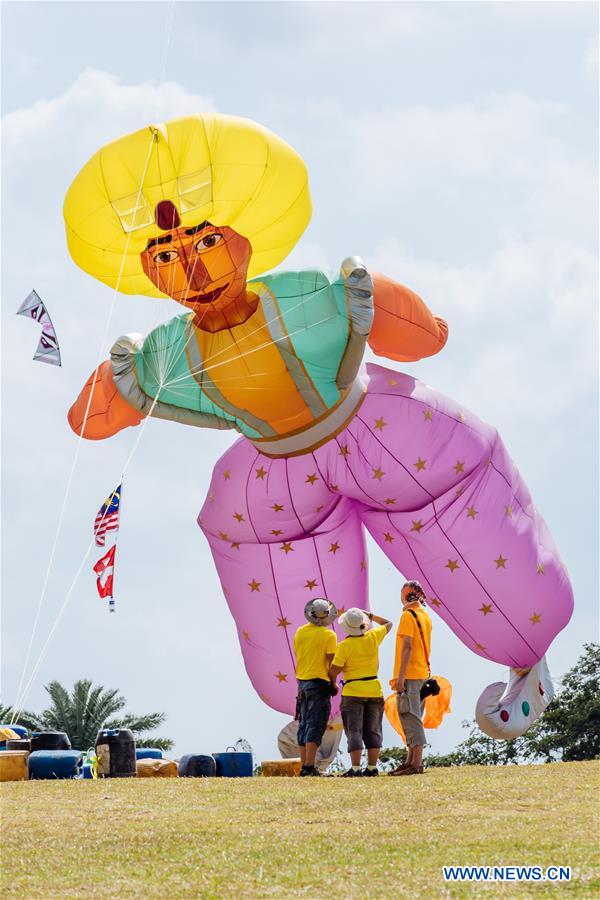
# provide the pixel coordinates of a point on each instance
(311, 838)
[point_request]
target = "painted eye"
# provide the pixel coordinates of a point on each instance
(165, 256)
(208, 242)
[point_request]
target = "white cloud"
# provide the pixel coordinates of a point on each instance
(96, 108)
(523, 321)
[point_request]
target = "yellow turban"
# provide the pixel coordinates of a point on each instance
(215, 168)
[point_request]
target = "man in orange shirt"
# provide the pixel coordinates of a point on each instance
(411, 670)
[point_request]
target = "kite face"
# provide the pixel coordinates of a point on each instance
(203, 267)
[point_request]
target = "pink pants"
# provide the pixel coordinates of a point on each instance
(438, 492)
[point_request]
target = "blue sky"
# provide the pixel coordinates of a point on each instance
(452, 145)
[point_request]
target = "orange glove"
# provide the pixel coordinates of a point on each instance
(403, 328)
(108, 412)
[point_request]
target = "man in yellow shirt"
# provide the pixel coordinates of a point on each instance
(314, 648)
(411, 671)
(362, 697)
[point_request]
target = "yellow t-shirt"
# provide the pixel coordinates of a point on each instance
(359, 657)
(417, 664)
(312, 645)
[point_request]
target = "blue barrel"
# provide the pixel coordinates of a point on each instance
(18, 729)
(194, 765)
(44, 764)
(233, 765)
(148, 753)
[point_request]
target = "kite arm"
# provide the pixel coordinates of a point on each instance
(108, 412)
(404, 328)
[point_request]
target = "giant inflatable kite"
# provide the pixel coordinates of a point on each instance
(198, 209)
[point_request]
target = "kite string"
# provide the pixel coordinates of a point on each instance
(80, 436)
(18, 709)
(98, 361)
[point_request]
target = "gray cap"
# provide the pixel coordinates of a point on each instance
(320, 611)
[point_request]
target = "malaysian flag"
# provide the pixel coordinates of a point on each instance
(108, 517)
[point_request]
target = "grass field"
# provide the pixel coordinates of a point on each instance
(385, 837)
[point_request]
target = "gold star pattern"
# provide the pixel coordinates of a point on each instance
(435, 602)
(319, 508)
(461, 416)
(260, 473)
(245, 635)
(452, 564)
(280, 676)
(459, 467)
(485, 608)
(223, 536)
(389, 539)
(427, 415)
(254, 585)
(378, 474)
(392, 382)
(390, 501)
(420, 464)
(283, 623)
(363, 565)
(277, 507)
(416, 525)
(226, 474)
(333, 487)
(211, 497)
(333, 548)
(380, 424)
(460, 491)
(501, 562)
(480, 647)
(508, 511)
(287, 547)
(235, 545)
(344, 451)
(277, 532)
(535, 619)
(488, 462)
(311, 584)
(539, 569)
(310, 479)
(239, 517)
(341, 610)
(471, 512)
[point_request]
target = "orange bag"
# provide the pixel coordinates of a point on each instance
(436, 707)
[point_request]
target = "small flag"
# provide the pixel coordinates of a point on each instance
(47, 350)
(108, 517)
(105, 570)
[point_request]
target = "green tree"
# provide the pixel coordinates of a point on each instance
(570, 728)
(87, 709)
(478, 749)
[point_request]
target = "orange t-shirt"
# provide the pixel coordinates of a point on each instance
(417, 664)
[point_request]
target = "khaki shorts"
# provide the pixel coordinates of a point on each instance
(411, 709)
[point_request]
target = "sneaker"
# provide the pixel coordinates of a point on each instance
(352, 773)
(308, 771)
(368, 773)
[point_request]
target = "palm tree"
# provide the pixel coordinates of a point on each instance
(85, 711)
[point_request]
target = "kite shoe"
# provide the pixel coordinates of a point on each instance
(352, 773)
(399, 769)
(368, 773)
